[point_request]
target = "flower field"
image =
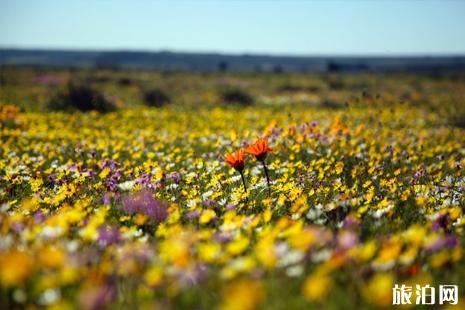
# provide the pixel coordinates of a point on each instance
(267, 206)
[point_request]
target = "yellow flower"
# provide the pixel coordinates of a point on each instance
(237, 246)
(388, 253)
(207, 216)
(51, 257)
(104, 173)
(175, 250)
(15, 267)
(302, 240)
(415, 234)
(316, 287)
(154, 275)
(242, 294)
(265, 252)
(439, 259)
(209, 251)
(366, 251)
(339, 167)
(379, 289)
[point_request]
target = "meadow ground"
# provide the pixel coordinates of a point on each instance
(137, 208)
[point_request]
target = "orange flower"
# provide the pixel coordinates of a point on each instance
(235, 160)
(259, 149)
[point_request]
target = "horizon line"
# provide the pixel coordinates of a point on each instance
(244, 53)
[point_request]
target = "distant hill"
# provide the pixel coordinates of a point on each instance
(223, 62)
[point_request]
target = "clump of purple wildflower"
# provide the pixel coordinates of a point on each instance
(144, 202)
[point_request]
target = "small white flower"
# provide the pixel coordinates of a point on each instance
(206, 195)
(380, 212)
(50, 232)
(295, 271)
(321, 256)
(72, 246)
(290, 258)
(126, 186)
(50, 296)
(172, 186)
(235, 178)
(255, 171)
(384, 266)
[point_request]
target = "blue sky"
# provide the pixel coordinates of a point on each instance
(349, 27)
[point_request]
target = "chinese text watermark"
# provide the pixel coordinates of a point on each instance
(424, 295)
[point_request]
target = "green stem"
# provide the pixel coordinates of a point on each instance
(267, 177)
(243, 181)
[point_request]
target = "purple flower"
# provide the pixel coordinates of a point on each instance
(112, 180)
(39, 216)
(175, 177)
(108, 235)
(110, 164)
(222, 237)
(144, 179)
(448, 241)
(106, 199)
(143, 202)
(419, 174)
(244, 143)
(347, 240)
(443, 189)
(52, 177)
(209, 203)
(18, 226)
(441, 222)
(351, 222)
(231, 206)
(192, 215)
(451, 241)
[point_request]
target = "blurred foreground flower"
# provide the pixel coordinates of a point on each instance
(379, 289)
(316, 287)
(242, 294)
(97, 297)
(15, 268)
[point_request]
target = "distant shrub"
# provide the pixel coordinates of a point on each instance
(335, 84)
(156, 98)
(125, 81)
(99, 79)
(81, 97)
(331, 104)
(291, 88)
(236, 96)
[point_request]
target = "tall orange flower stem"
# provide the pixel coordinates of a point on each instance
(237, 161)
(243, 181)
(267, 176)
